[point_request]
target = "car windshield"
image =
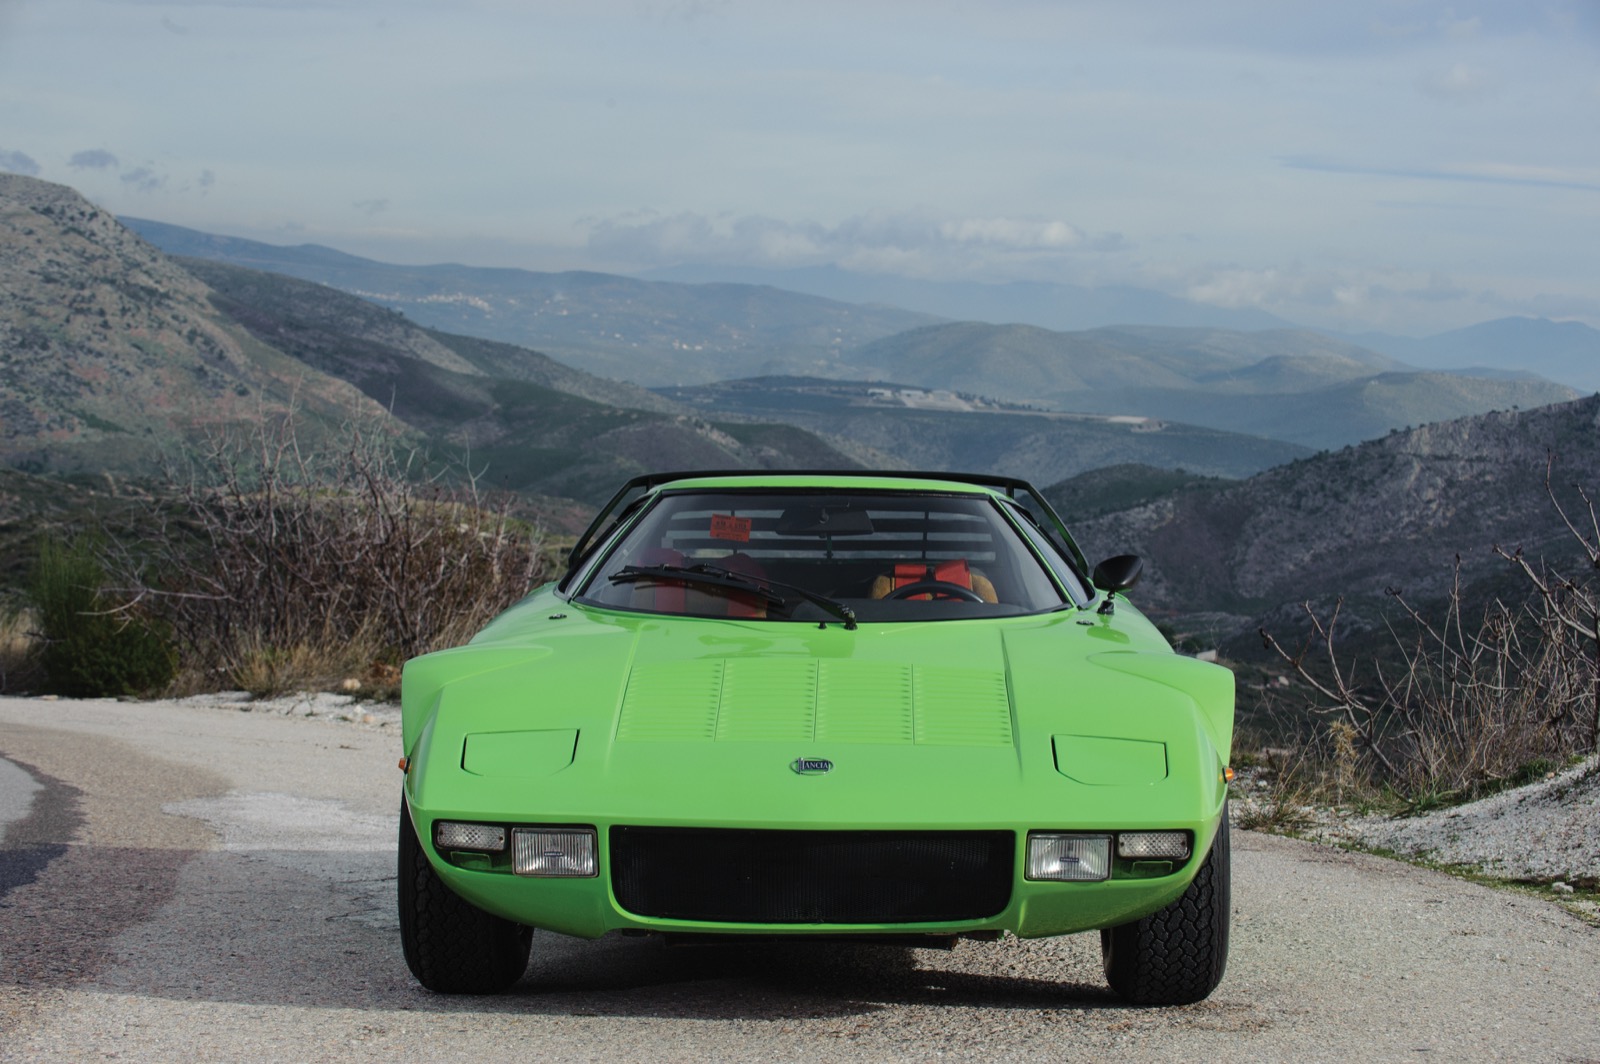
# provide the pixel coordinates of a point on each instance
(823, 557)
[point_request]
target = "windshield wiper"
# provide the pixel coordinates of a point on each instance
(717, 576)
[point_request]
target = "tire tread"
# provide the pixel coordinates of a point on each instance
(1176, 956)
(450, 945)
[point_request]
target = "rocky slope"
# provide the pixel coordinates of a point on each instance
(1392, 512)
(110, 353)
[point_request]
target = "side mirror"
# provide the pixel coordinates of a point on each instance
(1119, 573)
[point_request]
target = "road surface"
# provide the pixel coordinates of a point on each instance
(194, 883)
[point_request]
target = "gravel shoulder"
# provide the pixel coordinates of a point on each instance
(214, 881)
(1548, 831)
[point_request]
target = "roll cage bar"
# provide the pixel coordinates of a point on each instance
(628, 496)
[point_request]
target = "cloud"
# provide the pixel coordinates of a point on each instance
(18, 163)
(173, 27)
(1355, 298)
(143, 179)
(371, 206)
(1489, 173)
(207, 179)
(93, 159)
(916, 244)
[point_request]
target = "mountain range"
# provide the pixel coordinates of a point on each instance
(1565, 351)
(1395, 512)
(649, 333)
(1293, 385)
(933, 429)
(115, 357)
(1062, 307)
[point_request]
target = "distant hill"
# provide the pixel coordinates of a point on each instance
(1390, 512)
(532, 424)
(114, 356)
(1564, 351)
(336, 332)
(651, 333)
(932, 430)
(1302, 387)
(1049, 306)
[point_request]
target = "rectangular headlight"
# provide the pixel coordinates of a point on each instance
(1058, 856)
(1160, 845)
(553, 852)
(454, 835)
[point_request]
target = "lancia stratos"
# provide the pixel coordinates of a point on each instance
(885, 707)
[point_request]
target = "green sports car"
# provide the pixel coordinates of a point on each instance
(867, 706)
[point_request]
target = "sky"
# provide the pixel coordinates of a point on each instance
(1408, 166)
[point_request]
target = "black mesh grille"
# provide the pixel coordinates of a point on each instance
(811, 877)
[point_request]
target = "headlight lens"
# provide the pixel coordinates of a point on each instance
(454, 835)
(1157, 845)
(1060, 856)
(563, 852)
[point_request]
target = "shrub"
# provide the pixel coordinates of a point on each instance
(1469, 703)
(282, 567)
(92, 645)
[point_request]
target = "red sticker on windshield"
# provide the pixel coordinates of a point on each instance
(734, 528)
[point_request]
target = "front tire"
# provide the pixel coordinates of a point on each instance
(452, 946)
(1176, 956)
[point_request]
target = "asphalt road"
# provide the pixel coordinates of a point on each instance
(182, 883)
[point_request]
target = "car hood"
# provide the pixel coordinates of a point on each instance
(679, 714)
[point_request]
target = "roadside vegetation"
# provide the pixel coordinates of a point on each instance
(1467, 702)
(269, 567)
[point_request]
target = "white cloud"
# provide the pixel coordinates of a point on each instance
(878, 242)
(1022, 234)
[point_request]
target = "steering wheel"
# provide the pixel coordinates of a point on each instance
(939, 588)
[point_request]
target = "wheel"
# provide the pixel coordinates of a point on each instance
(1176, 956)
(936, 589)
(451, 946)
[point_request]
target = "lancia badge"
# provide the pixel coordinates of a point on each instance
(812, 766)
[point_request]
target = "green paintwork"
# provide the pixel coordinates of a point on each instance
(561, 713)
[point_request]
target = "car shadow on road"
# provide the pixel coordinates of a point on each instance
(316, 929)
(620, 976)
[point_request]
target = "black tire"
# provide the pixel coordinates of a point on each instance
(1176, 956)
(452, 946)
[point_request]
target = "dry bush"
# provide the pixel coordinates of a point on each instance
(1472, 702)
(281, 567)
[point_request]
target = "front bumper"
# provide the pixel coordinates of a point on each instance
(733, 893)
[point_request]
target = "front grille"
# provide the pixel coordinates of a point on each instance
(811, 877)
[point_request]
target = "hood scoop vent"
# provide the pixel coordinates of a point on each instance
(809, 700)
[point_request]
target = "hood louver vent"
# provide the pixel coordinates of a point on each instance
(752, 700)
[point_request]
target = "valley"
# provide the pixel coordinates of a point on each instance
(1256, 469)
